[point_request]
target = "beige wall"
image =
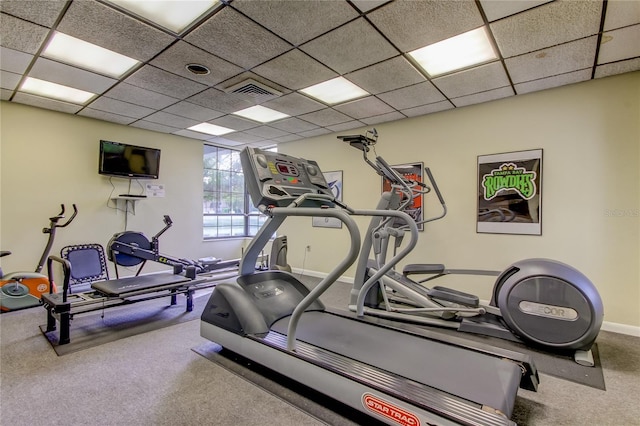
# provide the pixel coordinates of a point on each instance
(590, 134)
(49, 158)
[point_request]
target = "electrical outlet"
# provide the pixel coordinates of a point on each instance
(308, 248)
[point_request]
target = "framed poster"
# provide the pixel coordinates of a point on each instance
(334, 179)
(414, 172)
(510, 193)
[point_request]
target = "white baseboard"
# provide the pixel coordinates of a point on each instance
(630, 330)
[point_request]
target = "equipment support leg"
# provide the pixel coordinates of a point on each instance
(189, 300)
(174, 298)
(65, 326)
(51, 320)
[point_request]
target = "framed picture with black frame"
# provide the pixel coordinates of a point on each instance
(510, 193)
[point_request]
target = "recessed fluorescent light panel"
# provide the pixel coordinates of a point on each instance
(261, 114)
(455, 53)
(174, 15)
(335, 91)
(55, 91)
(210, 129)
(83, 54)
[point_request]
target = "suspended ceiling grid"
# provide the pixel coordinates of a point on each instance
(287, 45)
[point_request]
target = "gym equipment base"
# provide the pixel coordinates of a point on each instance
(123, 291)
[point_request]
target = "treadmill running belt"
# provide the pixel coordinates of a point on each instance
(477, 377)
(122, 286)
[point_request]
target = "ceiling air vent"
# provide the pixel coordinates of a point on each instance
(253, 88)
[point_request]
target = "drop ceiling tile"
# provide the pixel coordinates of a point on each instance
(386, 76)
(552, 61)
(193, 135)
(176, 58)
(548, 25)
(5, 94)
(364, 107)
(242, 137)
(477, 98)
(157, 80)
(325, 117)
(297, 21)
(497, 9)
(555, 81)
(37, 11)
(621, 13)
(293, 125)
(412, 96)
(266, 132)
(474, 80)
(620, 44)
(392, 116)
(14, 61)
(37, 101)
(106, 116)
(350, 47)
(115, 106)
(56, 72)
(9, 80)
(617, 68)
(295, 70)
(20, 35)
(237, 39)
(221, 101)
(234, 122)
(139, 96)
(161, 117)
(345, 126)
(143, 124)
(367, 5)
(101, 25)
(315, 132)
(287, 138)
(294, 104)
(193, 111)
(427, 109)
(414, 24)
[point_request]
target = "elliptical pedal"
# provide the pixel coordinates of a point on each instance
(454, 296)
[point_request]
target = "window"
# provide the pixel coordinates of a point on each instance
(227, 209)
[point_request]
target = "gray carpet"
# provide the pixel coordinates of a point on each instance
(100, 327)
(311, 402)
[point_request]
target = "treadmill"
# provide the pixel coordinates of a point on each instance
(384, 369)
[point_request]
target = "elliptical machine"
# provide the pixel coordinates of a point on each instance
(19, 290)
(539, 302)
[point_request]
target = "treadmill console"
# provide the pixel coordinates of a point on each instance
(276, 179)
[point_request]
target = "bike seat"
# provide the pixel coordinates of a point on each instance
(423, 268)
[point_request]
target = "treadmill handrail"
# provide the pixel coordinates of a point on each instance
(334, 274)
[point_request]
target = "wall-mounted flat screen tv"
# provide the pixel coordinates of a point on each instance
(128, 161)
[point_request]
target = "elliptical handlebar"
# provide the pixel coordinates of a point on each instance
(410, 188)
